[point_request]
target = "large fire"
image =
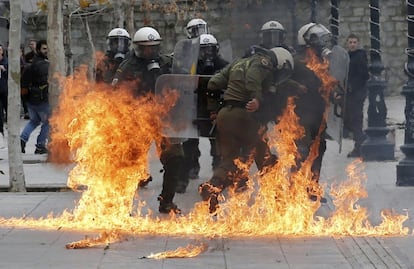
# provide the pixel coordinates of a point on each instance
(107, 134)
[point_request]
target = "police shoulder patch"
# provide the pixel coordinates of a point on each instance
(264, 61)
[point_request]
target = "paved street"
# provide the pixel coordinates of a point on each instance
(45, 248)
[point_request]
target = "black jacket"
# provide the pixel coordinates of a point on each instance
(310, 105)
(358, 71)
(134, 69)
(35, 79)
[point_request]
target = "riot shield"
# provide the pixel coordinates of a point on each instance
(338, 68)
(183, 114)
(186, 56)
(226, 51)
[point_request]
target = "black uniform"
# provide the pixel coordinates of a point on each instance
(354, 101)
(106, 69)
(205, 105)
(135, 69)
(310, 108)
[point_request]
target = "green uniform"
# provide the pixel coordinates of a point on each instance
(237, 128)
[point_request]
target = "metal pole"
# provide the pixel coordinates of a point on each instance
(334, 22)
(376, 147)
(405, 168)
(314, 3)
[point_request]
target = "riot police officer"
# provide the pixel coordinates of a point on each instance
(245, 80)
(272, 34)
(145, 65)
(209, 62)
(311, 104)
(118, 42)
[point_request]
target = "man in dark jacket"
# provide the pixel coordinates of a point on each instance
(209, 62)
(34, 84)
(313, 40)
(140, 71)
(356, 93)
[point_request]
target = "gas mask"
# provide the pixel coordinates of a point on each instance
(150, 53)
(320, 39)
(118, 47)
(207, 55)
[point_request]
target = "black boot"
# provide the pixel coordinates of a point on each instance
(40, 150)
(210, 193)
(167, 207)
(173, 170)
(144, 182)
(23, 145)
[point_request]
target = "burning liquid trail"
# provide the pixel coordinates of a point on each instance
(107, 133)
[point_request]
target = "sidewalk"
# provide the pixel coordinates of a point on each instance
(36, 248)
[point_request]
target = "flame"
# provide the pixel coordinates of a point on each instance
(188, 251)
(321, 69)
(106, 133)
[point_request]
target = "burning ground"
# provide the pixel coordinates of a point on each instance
(107, 134)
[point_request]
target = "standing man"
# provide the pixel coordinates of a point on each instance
(28, 59)
(246, 80)
(145, 65)
(313, 39)
(209, 62)
(195, 28)
(356, 93)
(35, 86)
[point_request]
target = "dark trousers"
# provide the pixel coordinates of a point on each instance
(191, 153)
(172, 159)
(3, 110)
(353, 120)
(313, 140)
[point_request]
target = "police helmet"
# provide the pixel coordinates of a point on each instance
(272, 34)
(196, 27)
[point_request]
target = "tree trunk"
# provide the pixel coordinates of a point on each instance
(17, 180)
(119, 14)
(130, 25)
(56, 50)
(92, 62)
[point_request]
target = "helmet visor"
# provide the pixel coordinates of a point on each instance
(148, 52)
(319, 36)
(273, 38)
(118, 44)
(197, 30)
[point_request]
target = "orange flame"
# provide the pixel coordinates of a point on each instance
(321, 69)
(182, 252)
(107, 134)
